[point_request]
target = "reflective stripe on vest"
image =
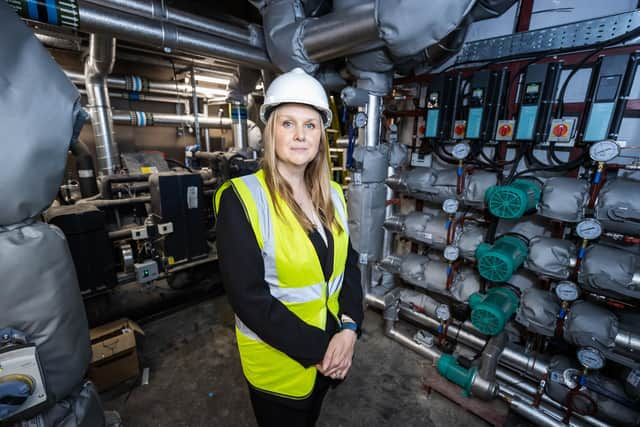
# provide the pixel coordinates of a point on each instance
(295, 277)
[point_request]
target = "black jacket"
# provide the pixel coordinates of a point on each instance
(242, 270)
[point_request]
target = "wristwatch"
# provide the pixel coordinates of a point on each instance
(347, 323)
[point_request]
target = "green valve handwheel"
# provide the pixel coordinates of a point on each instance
(491, 312)
(513, 200)
(497, 262)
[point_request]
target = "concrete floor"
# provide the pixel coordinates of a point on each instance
(196, 379)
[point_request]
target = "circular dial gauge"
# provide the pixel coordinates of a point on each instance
(461, 150)
(450, 206)
(567, 291)
(442, 312)
(604, 151)
(451, 253)
(589, 229)
(361, 119)
(590, 358)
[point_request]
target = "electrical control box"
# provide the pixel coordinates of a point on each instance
(442, 106)
(146, 271)
(177, 197)
(610, 83)
(486, 103)
(536, 101)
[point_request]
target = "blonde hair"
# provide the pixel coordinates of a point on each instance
(316, 179)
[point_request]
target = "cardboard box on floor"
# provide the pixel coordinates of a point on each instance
(114, 354)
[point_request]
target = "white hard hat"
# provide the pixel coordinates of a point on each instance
(298, 87)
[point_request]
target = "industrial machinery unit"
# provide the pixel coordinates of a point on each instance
(493, 188)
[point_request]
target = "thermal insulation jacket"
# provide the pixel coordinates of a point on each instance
(437, 185)
(618, 206)
(538, 311)
(372, 163)
(366, 206)
(80, 409)
(610, 272)
(551, 257)
(564, 199)
(588, 324)
(432, 275)
(432, 228)
(38, 134)
(42, 299)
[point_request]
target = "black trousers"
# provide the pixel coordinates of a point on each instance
(272, 411)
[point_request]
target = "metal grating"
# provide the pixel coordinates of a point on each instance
(568, 36)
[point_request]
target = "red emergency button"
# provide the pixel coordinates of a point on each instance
(505, 130)
(560, 130)
(459, 129)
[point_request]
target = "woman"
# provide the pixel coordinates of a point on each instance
(289, 270)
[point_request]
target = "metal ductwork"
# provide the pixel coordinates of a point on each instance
(98, 65)
(89, 17)
(246, 33)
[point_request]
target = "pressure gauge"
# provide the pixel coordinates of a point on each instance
(361, 119)
(590, 358)
(450, 206)
(451, 253)
(442, 312)
(461, 150)
(589, 229)
(604, 151)
(567, 291)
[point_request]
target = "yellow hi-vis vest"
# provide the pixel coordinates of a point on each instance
(295, 277)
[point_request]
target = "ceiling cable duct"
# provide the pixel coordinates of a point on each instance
(86, 16)
(98, 65)
(247, 33)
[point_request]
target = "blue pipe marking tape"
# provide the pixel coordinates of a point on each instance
(52, 12)
(32, 8)
(447, 224)
(141, 119)
(581, 254)
(459, 171)
(134, 96)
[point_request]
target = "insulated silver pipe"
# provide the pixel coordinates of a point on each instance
(431, 353)
(240, 130)
(373, 122)
(510, 381)
(207, 137)
(341, 32)
(93, 18)
(97, 66)
(139, 84)
(194, 98)
(246, 33)
(144, 119)
(523, 407)
(142, 97)
(628, 341)
(529, 364)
